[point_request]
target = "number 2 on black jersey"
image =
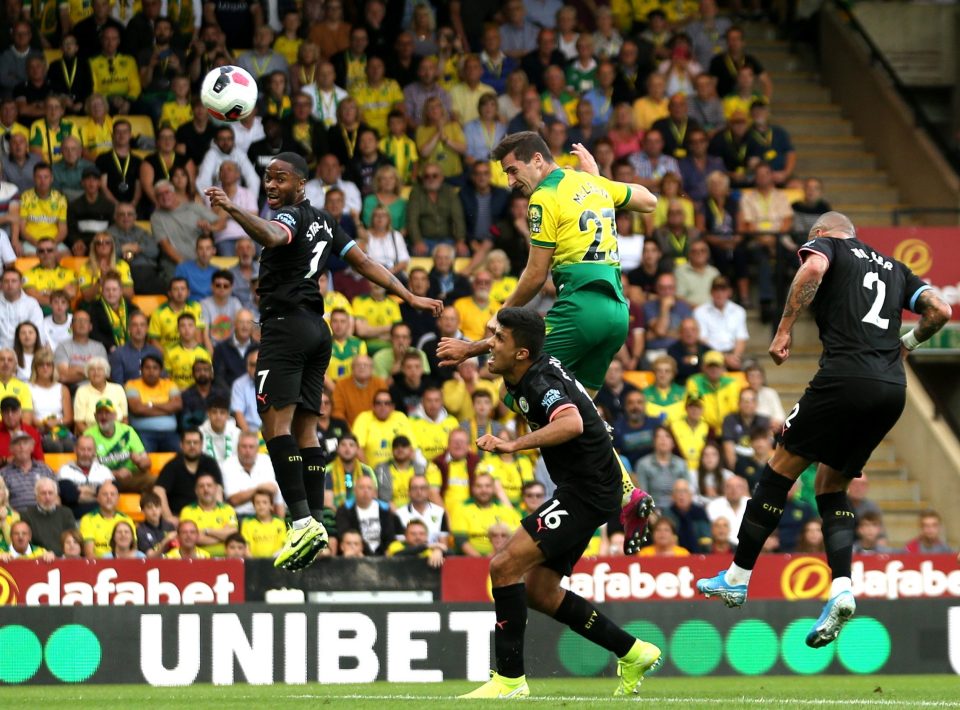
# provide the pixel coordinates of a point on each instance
(870, 280)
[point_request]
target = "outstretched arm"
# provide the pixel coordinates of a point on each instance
(268, 234)
(375, 272)
(934, 314)
(802, 292)
(641, 199)
(566, 425)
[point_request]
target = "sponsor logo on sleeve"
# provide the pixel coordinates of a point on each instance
(551, 397)
(287, 219)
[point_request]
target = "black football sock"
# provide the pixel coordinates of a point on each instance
(511, 605)
(314, 477)
(583, 618)
(288, 467)
(839, 530)
(762, 516)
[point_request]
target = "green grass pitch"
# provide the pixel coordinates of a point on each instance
(934, 691)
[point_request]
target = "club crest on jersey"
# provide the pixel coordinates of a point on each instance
(534, 217)
(287, 219)
(523, 404)
(550, 397)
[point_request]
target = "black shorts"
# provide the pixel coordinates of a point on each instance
(294, 354)
(563, 527)
(840, 421)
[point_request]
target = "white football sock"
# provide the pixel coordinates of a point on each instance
(840, 584)
(301, 523)
(737, 575)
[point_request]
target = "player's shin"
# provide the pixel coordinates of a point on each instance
(583, 618)
(839, 531)
(762, 517)
(288, 466)
(314, 478)
(510, 603)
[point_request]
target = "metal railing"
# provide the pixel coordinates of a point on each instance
(877, 59)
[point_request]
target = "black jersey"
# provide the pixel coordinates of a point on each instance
(289, 273)
(858, 309)
(585, 464)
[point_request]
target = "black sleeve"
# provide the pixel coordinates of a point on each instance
(912, 288)
(548, 395)
(290, 218)
(341, 240)
(825, 246)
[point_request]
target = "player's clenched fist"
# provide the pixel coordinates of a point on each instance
(494, 444)
(217, 197)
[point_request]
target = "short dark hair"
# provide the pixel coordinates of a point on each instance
(478, 393)
(401, 441)
(295, 161)
(41, 166)
(530, 485)
(222, 274)
(153, 358)
(396, 114)
(871, 516)
(416, 522)
(526, 326)
(235, 537)
(149, 498)
(524, 145)
(204, 237)
(186, 316)
(218, 402)
(191, 430)
(172, 281)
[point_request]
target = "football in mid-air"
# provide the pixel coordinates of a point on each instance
(229, 93)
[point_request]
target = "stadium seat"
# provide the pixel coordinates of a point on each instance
(148, 304)
(25, 263)
(55, 461)
(224, 262)
(158, 460)
(52, 55)
(145, 225)
(140, 126)
(129, 503)
(73, 262)
(638, 378)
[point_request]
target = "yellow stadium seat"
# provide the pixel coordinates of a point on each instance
(52, 55)
(129, 503)
(55, 461)
(460, 264)
(139, 126)
(73, 262)
(158, 460)
(224, 262)
(25, 263)
(148, 304)
(145, 225)
(638, 378)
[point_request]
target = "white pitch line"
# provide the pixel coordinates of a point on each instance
(809, 702)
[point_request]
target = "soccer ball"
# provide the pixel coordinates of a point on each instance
(229, 93)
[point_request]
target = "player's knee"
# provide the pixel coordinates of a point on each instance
(543, 598)
(503, 570)
(829, 480)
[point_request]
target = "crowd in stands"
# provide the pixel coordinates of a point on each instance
(128, 307)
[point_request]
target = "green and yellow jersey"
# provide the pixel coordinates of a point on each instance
(163, 321)
(178, 362)
(95, 528)
(574, 214)
(221, 516)
(342, 356)
(264, 538)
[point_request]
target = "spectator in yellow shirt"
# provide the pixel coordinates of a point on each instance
(374, 317)
(375, 430)
(432, 424)
(115, 76)
(164, 330)
(377, 96)
(47, 133)
(477, 310)
(48, 276)
(216, 521)
(473, 519)
(43, 211)
(188, 534)
(719, 392)
(96, 527)
(265, 533)
(178, 360)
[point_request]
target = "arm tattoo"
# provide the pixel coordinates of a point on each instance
(933, 315)
(801, 295)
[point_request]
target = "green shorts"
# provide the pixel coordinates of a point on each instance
(585, 330)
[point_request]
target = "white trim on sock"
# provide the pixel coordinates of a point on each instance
(737, 575)
(840, 584)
